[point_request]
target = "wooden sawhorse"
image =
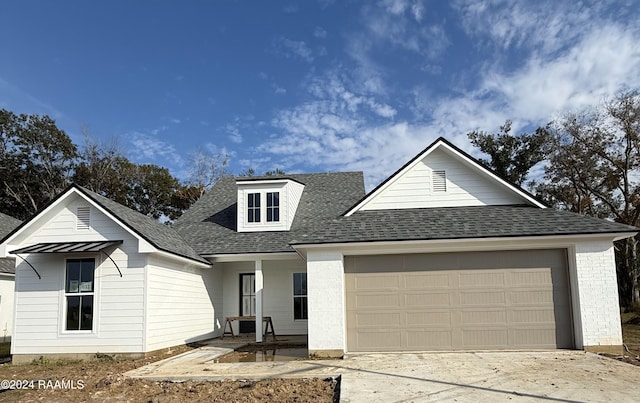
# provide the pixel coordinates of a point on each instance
(265, 319)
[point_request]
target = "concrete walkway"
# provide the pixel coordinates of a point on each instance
(560, 376)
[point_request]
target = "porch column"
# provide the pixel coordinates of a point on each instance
(259, 286)
(325, 293)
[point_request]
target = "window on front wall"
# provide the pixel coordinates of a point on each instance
(300, 295)
(79, 292)
(253, 207)
(273, 206)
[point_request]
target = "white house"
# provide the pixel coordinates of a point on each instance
(443, 255)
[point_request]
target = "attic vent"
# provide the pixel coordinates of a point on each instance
(83, 215)
(439, 181)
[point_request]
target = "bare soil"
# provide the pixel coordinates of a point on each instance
(102, 380)
(631, 338)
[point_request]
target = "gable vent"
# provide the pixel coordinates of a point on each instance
(439, 181)
(83, 215)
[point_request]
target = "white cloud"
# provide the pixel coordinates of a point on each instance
(292, 49)
(346, 124)
(605, 61)
(319, 32)
(150, 149)
(278, 90)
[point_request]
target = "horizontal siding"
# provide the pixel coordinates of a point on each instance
(465, 187)
(180, 304)
(277, 293)
(118, 301)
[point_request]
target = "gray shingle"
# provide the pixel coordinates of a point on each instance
(7, 224)
(457, 223)
(210, 224)
(159, 235)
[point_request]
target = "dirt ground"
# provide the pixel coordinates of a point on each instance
(102, 380)
(631, 336)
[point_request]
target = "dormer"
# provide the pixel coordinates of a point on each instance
(267, 204)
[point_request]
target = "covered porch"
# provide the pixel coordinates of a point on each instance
(267, 290)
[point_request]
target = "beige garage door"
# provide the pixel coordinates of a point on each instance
(458, 301)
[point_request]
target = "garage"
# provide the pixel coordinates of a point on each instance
(458, 301)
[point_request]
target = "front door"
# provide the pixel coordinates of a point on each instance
(247, 302)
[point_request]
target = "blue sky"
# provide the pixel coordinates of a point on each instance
(310, 86)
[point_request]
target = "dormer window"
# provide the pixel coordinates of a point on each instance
(253, 207)
(267, 204)
(273, 206)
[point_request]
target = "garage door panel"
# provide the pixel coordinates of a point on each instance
(432, 299)
(482, 317)
(485, 338)
(530, 297)
(540, 315)
(481, 279)
(490, 298)
(428, 318)
(377, 282)
(378, 340)
(426, 281)
(377, 319)
(535, 277)
(377, 301)
(449, 301)
(533, 338)
(424, 339)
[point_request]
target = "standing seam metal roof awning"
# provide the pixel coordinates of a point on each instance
(67, 247)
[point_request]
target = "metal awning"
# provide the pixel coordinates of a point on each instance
(68, 247)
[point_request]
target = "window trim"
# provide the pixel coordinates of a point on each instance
(300, 296)
(254, 210)
(262, 225)
(92, 293)
(273, 208)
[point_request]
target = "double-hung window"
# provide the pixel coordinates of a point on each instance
(273, 206)
(79, 290)
(300, 296)
(253, 207)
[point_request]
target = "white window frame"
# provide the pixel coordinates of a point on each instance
(66, 294)
(299, 296)
(250, 211)
(263, 224)
(273, 207)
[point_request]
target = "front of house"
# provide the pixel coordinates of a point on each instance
(443, 255)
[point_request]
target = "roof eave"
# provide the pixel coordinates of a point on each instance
(613, 235)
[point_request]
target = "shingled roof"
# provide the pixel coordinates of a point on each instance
(457, 223)
(159, 235)
(7, 224)
(210, 225)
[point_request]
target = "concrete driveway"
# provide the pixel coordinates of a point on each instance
(560, 376)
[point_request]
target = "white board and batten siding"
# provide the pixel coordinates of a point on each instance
(465, 186)
(181, 304)
(39, 326)
(277, 292)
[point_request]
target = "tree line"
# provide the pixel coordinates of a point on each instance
(38, 161)
(587, 162)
